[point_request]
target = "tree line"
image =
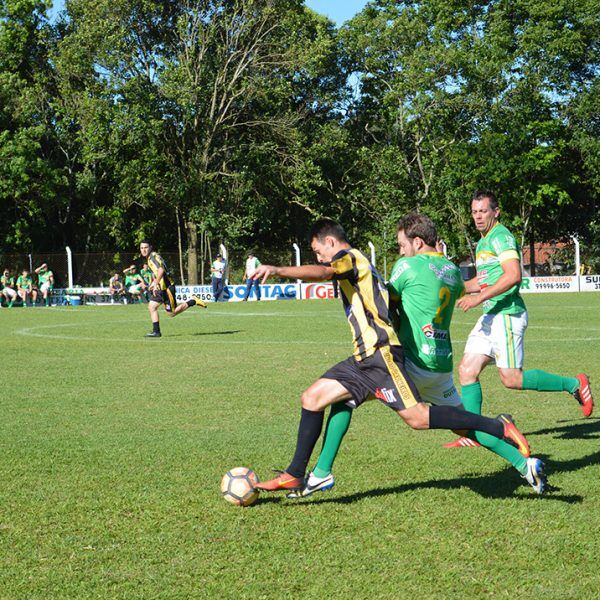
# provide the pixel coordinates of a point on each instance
(199, 122)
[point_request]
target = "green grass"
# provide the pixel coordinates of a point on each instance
(113, 446)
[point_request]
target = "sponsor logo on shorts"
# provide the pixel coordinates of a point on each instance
(450, 392)
(386, 395)
(434, 334)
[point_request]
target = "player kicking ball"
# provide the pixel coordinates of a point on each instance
(424, 287)
(161, 290)
(377, 366)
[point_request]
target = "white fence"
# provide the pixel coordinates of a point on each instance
(310, 291)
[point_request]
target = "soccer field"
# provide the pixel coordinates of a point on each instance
(113, 447)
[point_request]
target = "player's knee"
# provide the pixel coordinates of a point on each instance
(511, 380)
(311, 401)
(467, 373)
(416, 417)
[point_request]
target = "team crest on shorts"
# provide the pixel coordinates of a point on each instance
(388, 396)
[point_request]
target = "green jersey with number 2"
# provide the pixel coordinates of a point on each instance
(427, 286)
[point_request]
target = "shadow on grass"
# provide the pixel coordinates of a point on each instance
(580, 430)
(232, 332)
(501, 485)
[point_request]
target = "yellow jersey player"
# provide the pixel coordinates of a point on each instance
(161, 290)
(377, 365)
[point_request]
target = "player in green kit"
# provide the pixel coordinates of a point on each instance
(134, 283)
(424, 286)
(499, 333)
(46, 282)
(24, 286)
(7, 281)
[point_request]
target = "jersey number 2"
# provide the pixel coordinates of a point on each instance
(444, 296)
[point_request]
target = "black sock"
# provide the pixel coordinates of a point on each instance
(191, 302)
(450, 417)
(156, 327)
(309, 430)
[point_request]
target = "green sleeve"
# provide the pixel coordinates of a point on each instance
(401, 274)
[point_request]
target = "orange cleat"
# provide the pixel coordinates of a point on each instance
(284, 481)
(583, 394)
(462, 442)
(513, 436)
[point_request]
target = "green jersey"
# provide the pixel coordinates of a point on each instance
(428, 286)
(496, 247)
(133, 279)
(24, 282)
(146, 275)
(7, 281)
(44, 276)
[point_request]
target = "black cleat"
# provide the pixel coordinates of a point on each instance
(153, 334)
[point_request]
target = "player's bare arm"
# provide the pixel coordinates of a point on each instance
(306, 272)
(472, 286)
(511, 276)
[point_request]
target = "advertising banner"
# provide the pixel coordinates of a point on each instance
(589, 283)
(236, 293)
(534, 285)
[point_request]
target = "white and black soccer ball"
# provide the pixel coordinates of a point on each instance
(237, 486)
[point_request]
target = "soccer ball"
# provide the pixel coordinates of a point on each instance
(237, 486)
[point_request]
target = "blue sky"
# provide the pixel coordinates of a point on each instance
(338, 11)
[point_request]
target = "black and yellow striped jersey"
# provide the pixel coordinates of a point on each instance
(155, 262)
(366, 302)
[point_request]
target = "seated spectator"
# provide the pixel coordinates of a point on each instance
(8, 287)
(147, 276)
(46, 282)
(134, 283)
(116, 287)
(25, 286)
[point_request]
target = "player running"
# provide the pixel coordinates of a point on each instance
(424, 286)
(377, 366)
(162, 291)
(499, 333)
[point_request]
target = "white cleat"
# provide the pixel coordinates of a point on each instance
(535, 475)
(313, 484)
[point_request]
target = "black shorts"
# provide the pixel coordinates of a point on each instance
(166, 297)
(382, 375)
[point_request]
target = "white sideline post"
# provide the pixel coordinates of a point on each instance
(372, 253)
(70, 266)
(577, 262)
(298, 281)
(224, 255)
(30, 264)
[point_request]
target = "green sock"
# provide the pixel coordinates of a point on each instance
(338, 422)
(472, 399)
(10, 304)
(541, 381)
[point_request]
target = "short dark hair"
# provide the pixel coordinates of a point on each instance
(483, 194)
(326, 227)
(147, 242)
(419, 225)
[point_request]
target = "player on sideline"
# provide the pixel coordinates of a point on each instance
(424, 287)
(162, 291)
(377, 365)
(498, 334)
